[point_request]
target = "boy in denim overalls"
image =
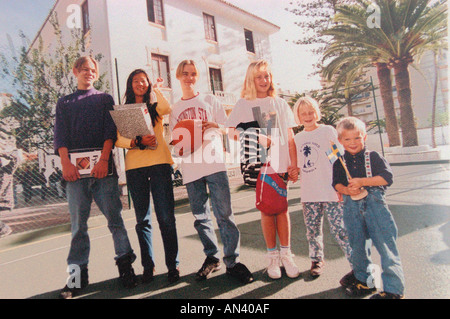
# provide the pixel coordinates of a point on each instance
(368, 219)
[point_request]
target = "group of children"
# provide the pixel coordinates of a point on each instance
(83, 121)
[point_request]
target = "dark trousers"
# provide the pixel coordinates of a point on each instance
(157, 180)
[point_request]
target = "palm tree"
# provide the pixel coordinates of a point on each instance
(408, 28)
(306, 151)
(348, 66)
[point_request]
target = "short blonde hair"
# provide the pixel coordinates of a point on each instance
(350, 123)
(304, 102)
(181, 66)
(249, 89)
(82, 60)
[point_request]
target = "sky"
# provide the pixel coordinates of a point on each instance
(291, 63)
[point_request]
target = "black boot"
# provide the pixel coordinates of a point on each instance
(126, 271)
(70, 292)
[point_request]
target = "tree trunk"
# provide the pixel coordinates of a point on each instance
(433, 108)
(407, 123)
(384, 77)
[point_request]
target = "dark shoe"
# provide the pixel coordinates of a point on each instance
(348, 280)
(173, 275)
(359, 289)
(148, 275)
(126, 271)
(316, 268)
(240, 272)
(387, 295)
(210, 265)
(69, 293)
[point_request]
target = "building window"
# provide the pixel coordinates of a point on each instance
(160, 69)
(249, 41)
(85, 17)
(216, 79)
(210, 27)
(155, 11)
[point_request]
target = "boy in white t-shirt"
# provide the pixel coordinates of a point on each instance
(317, 195)
(206, 167)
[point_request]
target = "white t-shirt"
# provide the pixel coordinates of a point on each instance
(316, 170)
(209, 158)
(276, 113)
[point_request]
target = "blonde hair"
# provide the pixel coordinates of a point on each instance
(304, 102)
(249, 89)
(181, 66)
(350, 123)
(82, 60)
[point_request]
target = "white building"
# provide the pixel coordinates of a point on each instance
(156, 35)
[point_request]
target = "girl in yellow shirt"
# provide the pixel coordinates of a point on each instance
(149, 171)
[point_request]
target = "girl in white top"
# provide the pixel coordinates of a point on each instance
(317, 194)
(259, 91)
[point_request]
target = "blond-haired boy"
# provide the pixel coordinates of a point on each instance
(367, 220)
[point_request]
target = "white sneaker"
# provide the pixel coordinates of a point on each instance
(288, 263)
(273, 268)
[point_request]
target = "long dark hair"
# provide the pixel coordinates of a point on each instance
(130, 98)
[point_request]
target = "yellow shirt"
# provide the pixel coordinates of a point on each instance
(136, 158)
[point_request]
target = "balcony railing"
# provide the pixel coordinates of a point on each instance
(225, 98)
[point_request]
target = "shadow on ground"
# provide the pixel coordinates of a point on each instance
(188, 288)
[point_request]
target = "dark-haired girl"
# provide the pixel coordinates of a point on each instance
(149, 171)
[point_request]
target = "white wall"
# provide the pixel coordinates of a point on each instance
(442, 135)
(134, 39)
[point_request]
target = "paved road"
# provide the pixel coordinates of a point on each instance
(32, 265)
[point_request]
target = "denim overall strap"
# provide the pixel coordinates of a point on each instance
(369, 171)
(368, 167)
(367, 164)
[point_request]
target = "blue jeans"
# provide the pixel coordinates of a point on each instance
(219, 191)
(370, 219)
(106, 194)
(156, 179)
